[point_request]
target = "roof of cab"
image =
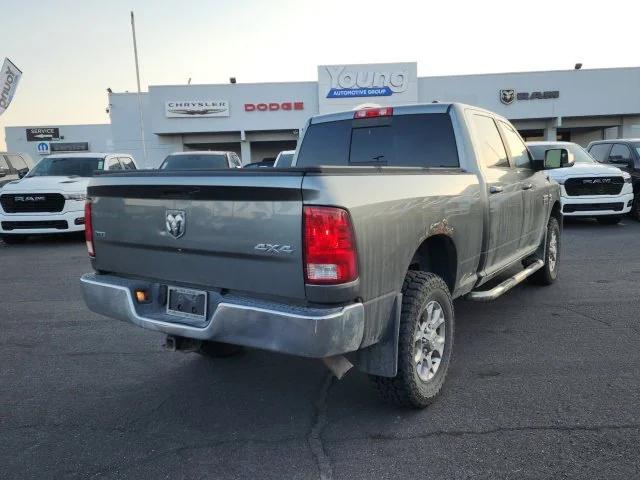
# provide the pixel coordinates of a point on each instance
(416, 108)
(87, 155)
(202, 152)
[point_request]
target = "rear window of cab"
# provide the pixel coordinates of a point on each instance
(414, 140)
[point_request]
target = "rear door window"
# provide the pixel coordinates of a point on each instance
(18, 163)
(4, 166)
(417, 140)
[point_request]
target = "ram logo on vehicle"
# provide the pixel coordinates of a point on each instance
(39, 198)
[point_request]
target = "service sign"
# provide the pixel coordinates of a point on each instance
(196, 108)
(43, 133)
(341, 87)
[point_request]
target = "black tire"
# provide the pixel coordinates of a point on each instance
(13, 239)
(609, 220)
(549, 272)
(635, 208)
(219, 349)
(407, 388)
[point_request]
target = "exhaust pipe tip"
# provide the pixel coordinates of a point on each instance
(338, 365)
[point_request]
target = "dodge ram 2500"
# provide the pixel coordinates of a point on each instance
(352, 255)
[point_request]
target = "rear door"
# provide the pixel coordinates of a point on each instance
(505, 217)
(534, 186)
(235, 232)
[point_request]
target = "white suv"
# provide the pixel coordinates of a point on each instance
(51, 197)
(588, 188)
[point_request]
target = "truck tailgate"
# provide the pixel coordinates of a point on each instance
(237, 232)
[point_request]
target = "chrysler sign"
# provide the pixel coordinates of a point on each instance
(196, 108)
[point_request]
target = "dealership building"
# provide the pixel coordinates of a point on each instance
(257, 120)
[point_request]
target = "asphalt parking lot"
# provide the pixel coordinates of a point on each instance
(545, 383)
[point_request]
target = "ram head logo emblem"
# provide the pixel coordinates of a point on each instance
(507, 96)
(176, 221)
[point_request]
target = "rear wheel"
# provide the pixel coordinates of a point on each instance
(549, 272)
(424, 345)
(609, 220)
(13, 239)
(218, 349)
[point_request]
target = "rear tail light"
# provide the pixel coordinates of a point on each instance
(329, 246)
(373, 112)
(88, 228)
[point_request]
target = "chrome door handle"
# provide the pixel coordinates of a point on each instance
(527, 186)
(495, 189)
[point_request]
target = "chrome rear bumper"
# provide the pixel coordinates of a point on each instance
(302, 331)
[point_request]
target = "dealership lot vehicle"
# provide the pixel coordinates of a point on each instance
(358, 251)
(201, 160)
(284, 159)
(14, 166)
(588, 188)
(624, 154)
(51, 197)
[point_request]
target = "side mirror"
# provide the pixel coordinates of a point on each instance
(22, 173)
(556, 158)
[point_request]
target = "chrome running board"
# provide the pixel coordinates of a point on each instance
(508, 284)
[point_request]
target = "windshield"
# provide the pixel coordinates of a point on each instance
(580, 155)
(284, 160)
(67, 167)
(196, 161)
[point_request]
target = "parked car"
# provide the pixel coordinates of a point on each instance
(14, 166)
(284, 159)
(201, 160)
(264, 163)
(588, 188)
(353, 257)
(624, 154)
(51, 197)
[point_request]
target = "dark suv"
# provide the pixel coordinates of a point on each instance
(14, 166)
(623, 153)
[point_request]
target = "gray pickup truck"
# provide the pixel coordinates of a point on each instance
(353, 255)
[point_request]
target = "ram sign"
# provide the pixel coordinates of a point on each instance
(343, 87)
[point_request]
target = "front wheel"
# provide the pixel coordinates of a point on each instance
(609, 220)
(549, 272)
(424, 344)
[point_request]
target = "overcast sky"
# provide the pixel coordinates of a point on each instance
(71, 51)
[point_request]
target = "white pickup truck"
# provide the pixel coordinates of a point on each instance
(51, 197)
(588, 188)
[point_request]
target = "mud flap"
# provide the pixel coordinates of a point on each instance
(382, 358)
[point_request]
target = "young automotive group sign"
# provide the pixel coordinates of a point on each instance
(342, 87)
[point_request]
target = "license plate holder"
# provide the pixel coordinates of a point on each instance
(187, 303)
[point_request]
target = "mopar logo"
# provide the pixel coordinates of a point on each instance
(345, 83)
(271, 248)
(175, 223)
(28, 198)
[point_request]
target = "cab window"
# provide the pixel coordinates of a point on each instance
(600, 151)
(492, 151)
(4, 166)
(127, 163)
(518, 150)
(113, 164)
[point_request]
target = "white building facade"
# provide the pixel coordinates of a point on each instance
(260, 119)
